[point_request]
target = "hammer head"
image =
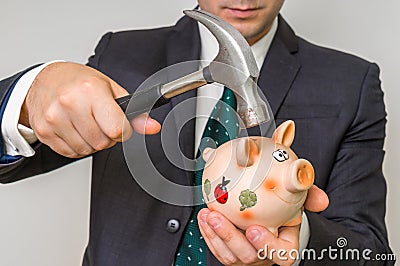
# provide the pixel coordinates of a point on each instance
(234, 67)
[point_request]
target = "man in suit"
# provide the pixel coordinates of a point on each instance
(334, 98)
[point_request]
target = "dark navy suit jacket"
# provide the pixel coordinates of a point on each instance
(334, 98)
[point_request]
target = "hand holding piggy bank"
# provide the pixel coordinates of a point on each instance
(258, 180)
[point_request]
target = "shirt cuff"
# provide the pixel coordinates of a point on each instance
(304, 237)
(17, 137)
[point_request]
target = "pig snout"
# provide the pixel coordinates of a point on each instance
(300, 176)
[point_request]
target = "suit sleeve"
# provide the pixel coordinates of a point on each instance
(355, 218)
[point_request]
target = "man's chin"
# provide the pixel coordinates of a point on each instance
(247, 30)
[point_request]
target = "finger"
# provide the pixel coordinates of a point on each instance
(281, 249)
(289, 235)
(90, 131)
(111, 119)
(57, 125)
(232, 237)
(108, 115)
(144, 124)
(61, 147)
(214, 243)
(69, 134)
(317, 200)
(72, 121)
(118, 92)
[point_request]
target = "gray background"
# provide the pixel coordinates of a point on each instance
(44, 220)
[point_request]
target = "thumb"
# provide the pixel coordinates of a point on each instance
(317, 200)
(144, 124)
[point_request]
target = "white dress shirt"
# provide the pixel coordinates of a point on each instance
(18, 137)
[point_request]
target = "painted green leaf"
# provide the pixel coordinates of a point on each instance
(207, 187)
(248, 199)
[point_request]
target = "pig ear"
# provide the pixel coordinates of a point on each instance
(208, 153)
(284, 134)
(246, 152)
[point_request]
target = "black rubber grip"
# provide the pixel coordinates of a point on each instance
(207, 75)
(142, 101)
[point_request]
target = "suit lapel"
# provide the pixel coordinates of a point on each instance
(184, 43)
(280, 66)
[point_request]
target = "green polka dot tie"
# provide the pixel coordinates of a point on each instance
(221, 127)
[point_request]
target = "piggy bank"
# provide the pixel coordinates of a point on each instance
(258, 180)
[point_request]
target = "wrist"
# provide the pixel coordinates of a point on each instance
(23, 116)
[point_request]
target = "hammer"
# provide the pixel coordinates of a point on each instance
(234, 67)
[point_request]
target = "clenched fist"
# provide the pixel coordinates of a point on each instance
(71, 108)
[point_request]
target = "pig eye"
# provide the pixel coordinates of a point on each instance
(280, 155)
(285, 154)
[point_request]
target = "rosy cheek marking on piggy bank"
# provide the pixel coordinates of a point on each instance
(248, 215)
(270, 184)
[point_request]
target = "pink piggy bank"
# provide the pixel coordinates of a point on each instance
(258, 180)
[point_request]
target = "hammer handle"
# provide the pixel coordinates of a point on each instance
(142, 101)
